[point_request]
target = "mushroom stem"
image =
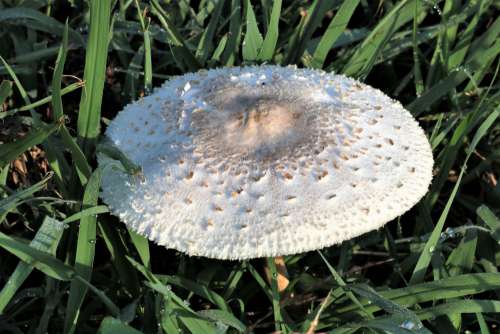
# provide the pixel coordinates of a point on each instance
(282, 274)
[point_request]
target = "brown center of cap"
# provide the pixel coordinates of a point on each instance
(262, 125)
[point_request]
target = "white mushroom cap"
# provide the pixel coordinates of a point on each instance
(264, 161)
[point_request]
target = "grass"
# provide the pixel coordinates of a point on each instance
(68, 266)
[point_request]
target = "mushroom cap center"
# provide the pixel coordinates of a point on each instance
(262, 124)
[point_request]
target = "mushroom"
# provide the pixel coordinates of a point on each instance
(264, 161)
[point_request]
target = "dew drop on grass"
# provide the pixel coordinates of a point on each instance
(92, 241)
(186, 303)
(408, 324)
(169, 288)
(450, 232)
(437, 9)
(431, 249)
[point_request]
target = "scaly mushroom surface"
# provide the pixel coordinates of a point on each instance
(262, 161)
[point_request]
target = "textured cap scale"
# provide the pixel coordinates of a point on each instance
(264, 161)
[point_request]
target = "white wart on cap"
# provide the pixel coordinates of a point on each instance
(265, 161)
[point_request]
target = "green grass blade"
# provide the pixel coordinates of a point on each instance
(230, 52)
(366, 54)
(260, 281)
(431, 244)
(35, 56)
(197, 289)
(66, 90)
(115, 245)
(174, 306)
(110, 325)
(488, 56)
(463, 45)
(314, 317)
(83, 168)
(252, 42)
(417, 73)
(33, 19)
(450, 7)
(266, 13)
(233, 280)
(484, 49)
(57, 106)
(144, 271)
(85, 251)
(451, 150)
(338, 279)
(19, 86)
(224, 318)
(107, 148)
(9, 203)
(269, 44)
(460, 307)
(385, 304)
(216, 56)
(142, 246)
(41, 260)
(482, 324)
(21, 70)
(4, 174)
(461, 259)
(81, 164)
(11, 151)
(278, 317)
(437, 58)
(89, 117)
(303, 33)
(148, 67)
(169, 323)
(455, 78)
(131, 85)
(403, 41)
(46, 240)
(451, 287)
(175, 38)
(206, 44)
(394, 324)
(333, 32)
(491, 220)
(5, 91)
(91, 211)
